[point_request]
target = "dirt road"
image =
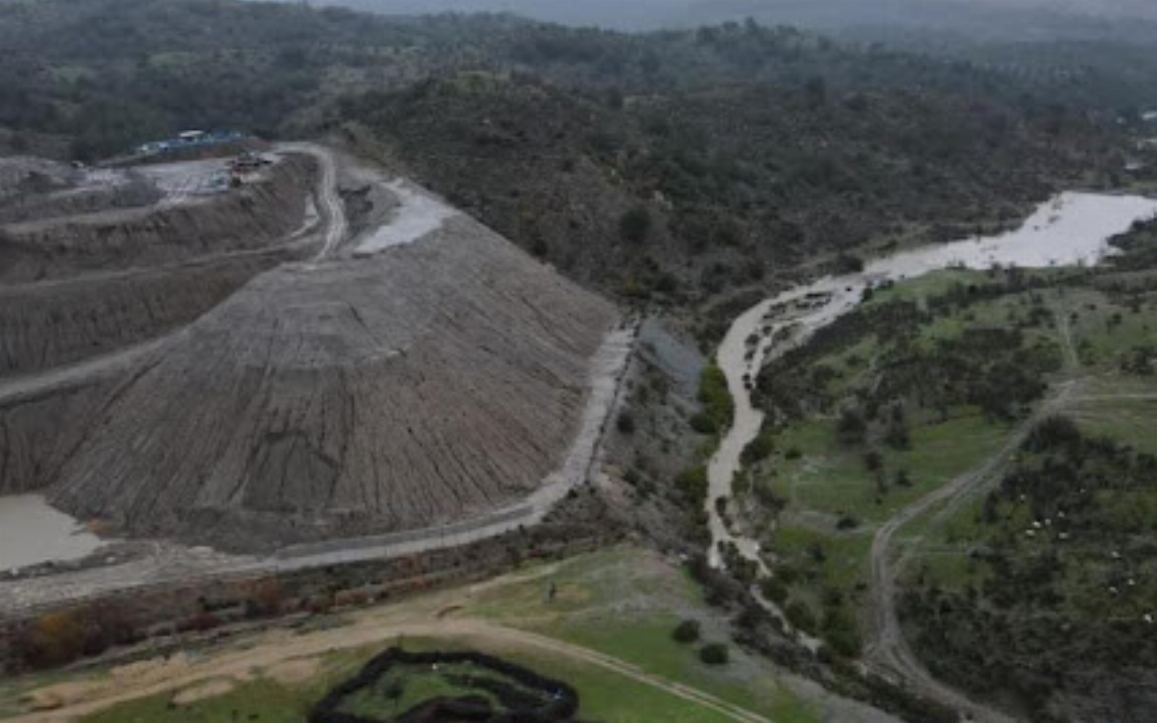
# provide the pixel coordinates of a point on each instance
(889, 653)
(330, 203)
(274, 650)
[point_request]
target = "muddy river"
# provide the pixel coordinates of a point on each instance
(32, 532)
(1069, 229)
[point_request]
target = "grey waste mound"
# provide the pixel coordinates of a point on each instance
(43, 328)
(435, 381)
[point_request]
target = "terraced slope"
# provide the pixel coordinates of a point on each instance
(438, 380)
(237, 382)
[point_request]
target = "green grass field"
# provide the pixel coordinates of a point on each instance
(626, 603)
(832, 479)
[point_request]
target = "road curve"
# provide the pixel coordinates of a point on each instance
(329, 201)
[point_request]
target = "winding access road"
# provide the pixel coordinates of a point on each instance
(328, 197)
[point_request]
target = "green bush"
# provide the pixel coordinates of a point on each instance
(715, 397)
(702, 423)
(715, 654)
(759, 448)
(800, 616)
(687, 631)
(774, 590)
(693, 481)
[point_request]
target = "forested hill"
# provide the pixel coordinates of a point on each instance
(108, 72)
(669, 167)
(681, 195)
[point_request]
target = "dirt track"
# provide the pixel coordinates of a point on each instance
(888, 652)
(337, 225)
(274, 650)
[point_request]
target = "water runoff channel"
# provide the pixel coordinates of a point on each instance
(1070, 229)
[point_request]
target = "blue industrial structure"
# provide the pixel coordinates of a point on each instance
(189, 140)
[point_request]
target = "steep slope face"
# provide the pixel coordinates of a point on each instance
(433, 381)
(45, 327)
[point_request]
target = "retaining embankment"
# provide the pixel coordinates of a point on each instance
(51, 637)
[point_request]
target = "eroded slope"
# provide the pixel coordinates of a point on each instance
(437, 380)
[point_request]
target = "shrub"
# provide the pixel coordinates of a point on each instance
(626, 423)
(774, 590)
(851, 428)
(693, 481)
(714, 654)
(847, 522)
(701, 423)
(635, 225)
(686, 631)
(716, 397)
(55, 639)
(759, 448)
(800, 616)
(264, 600)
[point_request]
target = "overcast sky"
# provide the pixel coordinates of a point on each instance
(652, 13)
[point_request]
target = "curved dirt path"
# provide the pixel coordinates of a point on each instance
(889, 652)
(277, 649)
(329, 201)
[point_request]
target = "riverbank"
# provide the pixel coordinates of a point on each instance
(1072, 229)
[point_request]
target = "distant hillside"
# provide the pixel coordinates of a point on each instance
(671, 166)
(678, 196)
(98, 76)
